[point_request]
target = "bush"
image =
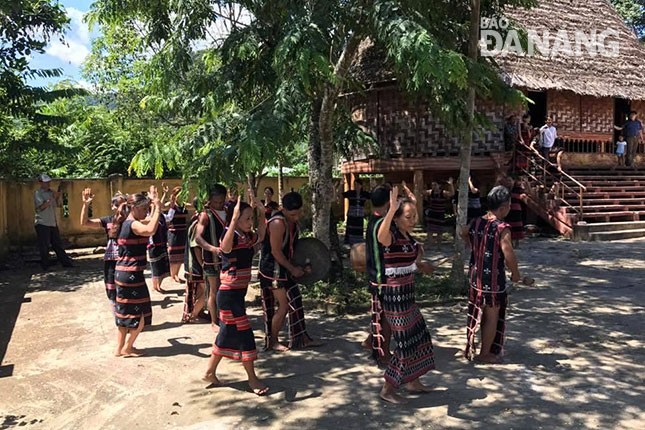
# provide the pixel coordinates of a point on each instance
(351, 292)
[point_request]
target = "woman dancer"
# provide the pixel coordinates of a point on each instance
(158, 246)
(435, 213)
(132, 229)
(235, 338)
(270, 206)
(111, 249)
(177, 235)
(413, 356)
(355, 213)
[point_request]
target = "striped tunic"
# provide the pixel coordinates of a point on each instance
(132, 296)
(235, 339)
(413, 355)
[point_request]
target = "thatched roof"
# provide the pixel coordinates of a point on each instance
(599, 76)
(622, 76)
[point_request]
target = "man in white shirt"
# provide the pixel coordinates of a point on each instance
(548, 134)
(45, 202)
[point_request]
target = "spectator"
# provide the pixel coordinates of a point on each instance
(45, 202)
(511, 133)
(548, 134)
(633, 132)
(620, 150)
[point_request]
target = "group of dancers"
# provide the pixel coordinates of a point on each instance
(218, 245)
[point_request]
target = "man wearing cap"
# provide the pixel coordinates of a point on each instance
(45, 202)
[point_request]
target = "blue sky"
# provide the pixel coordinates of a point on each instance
(70, 55)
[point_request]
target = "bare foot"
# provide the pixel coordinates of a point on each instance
(118, 353)
(210, 377)
(133, 352)
(417, 387)
(391, 396)
(488, 358)
(258, 387)
(215, 328)
(277, 346)
(176, 279)
(367, 343)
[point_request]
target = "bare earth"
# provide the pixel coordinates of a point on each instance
(574, 358)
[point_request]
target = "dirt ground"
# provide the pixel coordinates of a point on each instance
(574, 358)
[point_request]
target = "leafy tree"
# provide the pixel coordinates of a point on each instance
(279, 73)
(633, 12)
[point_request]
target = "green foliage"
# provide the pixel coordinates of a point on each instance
(633, 12)
(351, 292)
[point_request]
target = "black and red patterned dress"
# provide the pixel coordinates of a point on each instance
(158, 251)
(413, 354)
(177, 235)
(132, 295)
(109, 260)
(435, 213)
(487, 278)
(235, 339)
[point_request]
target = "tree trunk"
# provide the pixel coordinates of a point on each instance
(280, 182)
(323, 187)
(457, 275)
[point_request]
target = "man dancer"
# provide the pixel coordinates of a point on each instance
(209, 230)
(492, 251)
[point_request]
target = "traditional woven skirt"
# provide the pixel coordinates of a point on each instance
(158, 258)
(476, 300)
(109, 268)
(192, 295)
(176, 246)
(413, 355)
(376, 328)
(514, 219)
(435, 222)
(132, 299)
(298, 335)
(235, 338)
(354, 230)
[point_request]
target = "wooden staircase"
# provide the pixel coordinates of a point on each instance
(588, 204)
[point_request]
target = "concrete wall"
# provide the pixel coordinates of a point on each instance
(17, 206)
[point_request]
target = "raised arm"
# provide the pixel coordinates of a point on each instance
(226, 244)
(149, 227)
(473, 189)
(87, 197)
(255, 203)
(384, 235)
(409, 194)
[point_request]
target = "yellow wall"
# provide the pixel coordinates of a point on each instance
(17, 206)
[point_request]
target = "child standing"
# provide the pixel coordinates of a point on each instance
(620, 150)
(235, 338)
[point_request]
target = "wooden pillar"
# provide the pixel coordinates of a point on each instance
(418, 190)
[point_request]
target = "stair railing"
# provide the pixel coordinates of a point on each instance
(545, 168)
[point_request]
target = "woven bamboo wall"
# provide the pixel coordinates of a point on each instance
(574, 113)
(405, 128)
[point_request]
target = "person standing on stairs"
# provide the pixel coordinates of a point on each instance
(633, 132)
